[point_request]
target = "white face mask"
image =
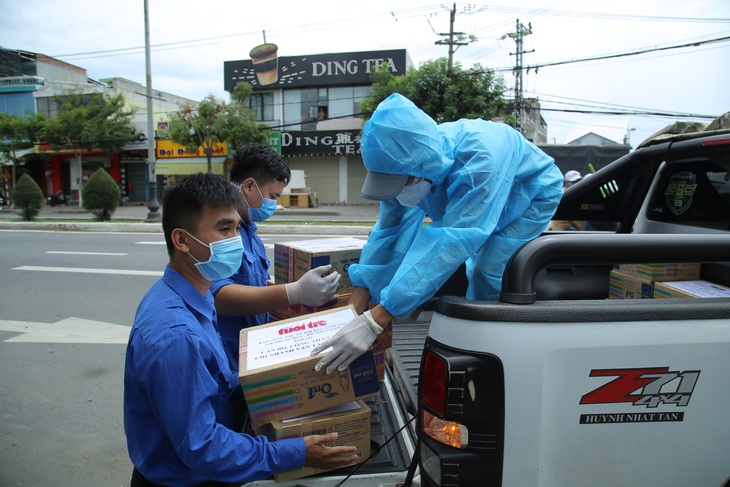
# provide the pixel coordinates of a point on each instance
(414, 192)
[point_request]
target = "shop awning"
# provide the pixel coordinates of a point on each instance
(188, 165)
(8, 161)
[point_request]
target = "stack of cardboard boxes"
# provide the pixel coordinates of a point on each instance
(286, 398)
(675, 280)
(294, 259)
(298, 198)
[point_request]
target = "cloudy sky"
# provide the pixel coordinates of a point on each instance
(191, 40)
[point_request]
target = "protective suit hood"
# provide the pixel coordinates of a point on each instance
(401, 140)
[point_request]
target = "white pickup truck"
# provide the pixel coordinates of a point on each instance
(555, 385)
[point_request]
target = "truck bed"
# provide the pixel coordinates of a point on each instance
(404, 357)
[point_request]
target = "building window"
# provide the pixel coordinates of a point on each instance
(344, 101)
(311, 101)
(262, 105)
(48, 107)
(292, 110)
(359, 93)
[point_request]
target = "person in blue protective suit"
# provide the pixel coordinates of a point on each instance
(179, 390)
(487, 191)
(245, 298)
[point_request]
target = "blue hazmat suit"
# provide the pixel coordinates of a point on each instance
(492, 192)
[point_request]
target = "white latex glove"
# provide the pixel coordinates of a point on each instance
(314, 288)
(349, 343)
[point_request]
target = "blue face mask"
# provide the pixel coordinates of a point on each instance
(264, 212)
(414, 192)
(225, 258)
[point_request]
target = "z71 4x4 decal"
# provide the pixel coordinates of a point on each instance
(648, 387)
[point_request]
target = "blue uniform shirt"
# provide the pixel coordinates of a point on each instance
(178, 387)
(254, 271)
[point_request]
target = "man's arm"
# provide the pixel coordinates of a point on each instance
(241, 300)
(315, 288)
(360, 298)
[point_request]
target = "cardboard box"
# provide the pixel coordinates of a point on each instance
(295, 310)
(351, 422)
(690, 289)
(293, 259)
(663, 272)
(382, 342)
(625, 286)
(277, 374)
(380, 363)
(296, 200)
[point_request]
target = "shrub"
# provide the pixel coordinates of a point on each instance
(100, 195)
(27, 197)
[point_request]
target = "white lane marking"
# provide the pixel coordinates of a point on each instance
(85, 270)
(85, 253)
(69, 330)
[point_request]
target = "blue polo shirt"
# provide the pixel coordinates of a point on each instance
(254, 271)
(178, 388)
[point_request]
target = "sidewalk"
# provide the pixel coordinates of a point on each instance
(132, 218)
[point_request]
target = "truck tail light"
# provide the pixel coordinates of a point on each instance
(433, 390)
(449, 433)
(460, 417)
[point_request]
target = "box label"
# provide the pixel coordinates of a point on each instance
(292, 341)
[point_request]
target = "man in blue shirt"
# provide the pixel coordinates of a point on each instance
(245, 298)
(178, 385)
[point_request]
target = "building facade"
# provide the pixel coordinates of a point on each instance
(32, 82)
(311, 103)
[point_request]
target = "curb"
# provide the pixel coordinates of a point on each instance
(156, 227)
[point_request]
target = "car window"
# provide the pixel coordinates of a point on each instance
(694, 193)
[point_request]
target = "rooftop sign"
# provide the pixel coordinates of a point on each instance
(267, 70)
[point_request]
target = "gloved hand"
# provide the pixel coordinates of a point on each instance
(313, 289)
(349, 343)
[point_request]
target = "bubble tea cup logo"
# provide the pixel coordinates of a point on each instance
(265, 63)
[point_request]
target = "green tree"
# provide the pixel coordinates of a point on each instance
(28, 197)
(19, 133)
(101, 195)
(476, 92)
(240, 124)
(87, 122)
(213, 121)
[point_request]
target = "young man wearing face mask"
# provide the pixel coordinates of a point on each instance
(487, 191)
(179, 389)
(244, 298)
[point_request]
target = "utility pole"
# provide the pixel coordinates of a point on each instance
(451, 42)
(152, 204)
(519, 106)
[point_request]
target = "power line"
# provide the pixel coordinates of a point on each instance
(397, 15)
(618, 55)
(602, 15)
(624, 112)
(314, 26)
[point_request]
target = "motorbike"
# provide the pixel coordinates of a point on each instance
(58, 198)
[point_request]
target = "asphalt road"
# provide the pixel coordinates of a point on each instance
(67, 301)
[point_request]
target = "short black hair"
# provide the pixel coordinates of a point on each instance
(260, 162)
(183, 203)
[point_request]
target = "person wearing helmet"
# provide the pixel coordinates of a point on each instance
(487, 191)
